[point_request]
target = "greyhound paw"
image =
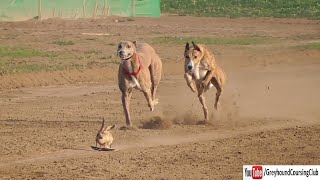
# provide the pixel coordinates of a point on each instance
(155, 101)
(128, 127)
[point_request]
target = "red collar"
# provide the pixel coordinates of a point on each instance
(135, 74)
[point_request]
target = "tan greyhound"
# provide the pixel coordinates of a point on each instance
(202, 72)
(140, 68)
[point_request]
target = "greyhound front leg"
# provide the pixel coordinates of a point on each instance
(204, 106)
(126, 105)
(207, 79)
(190, 82)
(219, 90)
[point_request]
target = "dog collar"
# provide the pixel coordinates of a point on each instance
(135, 74)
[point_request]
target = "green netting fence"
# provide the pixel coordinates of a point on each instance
(15, 10)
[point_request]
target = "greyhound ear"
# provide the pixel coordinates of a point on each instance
(187, 47)
(135, 43)
(195, 46)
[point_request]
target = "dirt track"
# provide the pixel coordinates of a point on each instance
(269, 111)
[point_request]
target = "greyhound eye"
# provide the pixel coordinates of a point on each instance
(195, 57)
(187, 57)
(128, 46)
(119, 46)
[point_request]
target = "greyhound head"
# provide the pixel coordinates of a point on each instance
(126, 49)
(193, 56)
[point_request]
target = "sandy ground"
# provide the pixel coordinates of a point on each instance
(269, 110)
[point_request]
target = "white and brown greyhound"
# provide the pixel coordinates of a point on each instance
(202, 72)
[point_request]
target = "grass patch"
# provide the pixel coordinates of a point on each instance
(9, 68)
(314, 46)
(27, 68)
(216, 41)
(63, 43)
(244, 8)
(14, 52)
(111, 44)
(15, 60)
(92, 51)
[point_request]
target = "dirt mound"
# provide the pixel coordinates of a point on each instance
(157, 122)
(187, 119)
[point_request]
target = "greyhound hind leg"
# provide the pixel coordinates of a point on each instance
(204, 106)
(147, 94)
(202, 101)
(155, 74)
(219, 90)
(153, 92)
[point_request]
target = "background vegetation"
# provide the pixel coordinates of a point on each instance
(244, 8)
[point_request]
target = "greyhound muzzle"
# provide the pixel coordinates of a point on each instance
(123, 55)
(190, 66)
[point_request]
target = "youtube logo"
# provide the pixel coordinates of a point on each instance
(257, 172)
